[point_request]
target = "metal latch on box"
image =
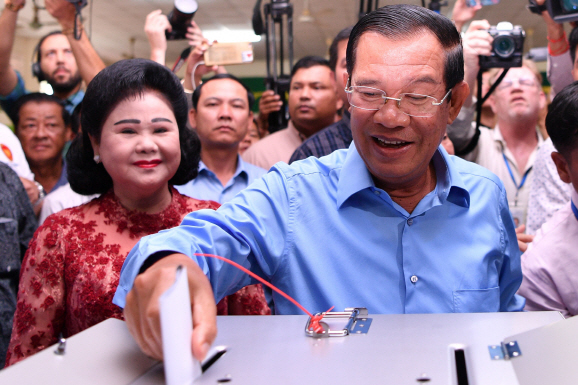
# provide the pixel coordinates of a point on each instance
(505, 351)
(357, 323)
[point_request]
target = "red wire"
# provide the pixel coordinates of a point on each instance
(260, 280)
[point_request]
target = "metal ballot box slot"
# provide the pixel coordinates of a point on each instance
(400, 349)
(356, 319)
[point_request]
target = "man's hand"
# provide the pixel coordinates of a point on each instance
(462, 13)
(194, 35)
(196, 56)
(269, 102)
(477, 41)
(63, 11)
(523, 239)
(31, 190)
(155, 26)
(142, 306)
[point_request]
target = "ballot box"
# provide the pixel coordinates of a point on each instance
(452, 349)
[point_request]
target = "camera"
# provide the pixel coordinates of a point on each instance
(180, 19)
(563, 10)
(507, 47)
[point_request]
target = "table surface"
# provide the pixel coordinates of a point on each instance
(398, 349)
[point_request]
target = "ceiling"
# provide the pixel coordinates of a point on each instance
(115, 23)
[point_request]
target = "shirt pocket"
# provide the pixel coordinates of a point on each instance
(477, 300)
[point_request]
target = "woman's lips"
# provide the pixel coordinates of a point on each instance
(147, 163)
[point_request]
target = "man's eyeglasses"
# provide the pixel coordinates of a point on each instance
(523, 81)
(372, 99)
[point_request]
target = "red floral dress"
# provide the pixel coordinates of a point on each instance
(71, 270)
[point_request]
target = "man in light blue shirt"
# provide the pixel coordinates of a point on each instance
(221, 115)
(393, 223)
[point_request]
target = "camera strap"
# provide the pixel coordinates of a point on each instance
(481, 100)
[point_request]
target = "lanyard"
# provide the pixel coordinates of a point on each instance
(518, 187)
(574, 209)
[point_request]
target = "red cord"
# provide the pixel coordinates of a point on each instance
(315, 319)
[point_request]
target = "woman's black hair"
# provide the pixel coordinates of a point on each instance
(403, 21)
(123, 80)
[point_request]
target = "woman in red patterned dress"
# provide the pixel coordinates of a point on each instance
(134, 147)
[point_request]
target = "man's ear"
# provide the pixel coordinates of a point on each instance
(345, 78)
(562, 167)
(459, 94)
(193, 118)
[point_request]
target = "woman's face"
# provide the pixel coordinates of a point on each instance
(139, 145)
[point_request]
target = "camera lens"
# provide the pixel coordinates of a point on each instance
(504, 46)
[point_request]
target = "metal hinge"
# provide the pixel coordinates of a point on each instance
(505, 351)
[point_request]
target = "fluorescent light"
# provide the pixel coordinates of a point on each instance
(231, 36)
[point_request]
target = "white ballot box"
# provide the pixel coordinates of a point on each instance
(397, 349)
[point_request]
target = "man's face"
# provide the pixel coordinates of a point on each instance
(58, 64)
(222, 116)
(313, 100)
(340, 69)
(397, 148)
(518, 97)
(42, 132)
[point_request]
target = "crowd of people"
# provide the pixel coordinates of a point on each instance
(382, 191)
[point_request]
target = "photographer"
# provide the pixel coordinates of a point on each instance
(509, 149)
(155, 26)
(560, 61)
(62, 60)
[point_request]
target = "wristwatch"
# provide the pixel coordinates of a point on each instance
(41, 192)
(12, 7)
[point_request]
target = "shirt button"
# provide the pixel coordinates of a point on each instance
(377, 192)
(410, 221)
(413, 279)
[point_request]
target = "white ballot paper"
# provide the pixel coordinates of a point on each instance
(177, 330)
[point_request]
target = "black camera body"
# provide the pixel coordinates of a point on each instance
(507, 47)
(180, 18)
(563, 10)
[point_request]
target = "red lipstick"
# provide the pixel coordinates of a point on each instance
(147, 163)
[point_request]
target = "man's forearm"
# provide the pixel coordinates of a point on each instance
(88, 61)
(8, 78)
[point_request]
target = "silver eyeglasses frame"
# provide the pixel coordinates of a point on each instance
(349, 90)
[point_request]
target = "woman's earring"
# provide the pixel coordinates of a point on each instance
(96, 159)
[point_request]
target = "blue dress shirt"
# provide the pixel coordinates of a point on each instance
(207, 186)
(322, 232)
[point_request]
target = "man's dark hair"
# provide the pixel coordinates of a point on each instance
(308, 62)
(573, 41)
(561, 120)
(121, 81)
(403, 21)
(37, 97)
(341, 36)
(197, 92)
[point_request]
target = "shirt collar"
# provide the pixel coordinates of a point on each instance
(241, 168)
(355, 177)
(75, 98)
(499, 138)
